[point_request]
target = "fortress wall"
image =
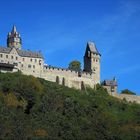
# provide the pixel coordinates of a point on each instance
(67, 77)
(129, 98)
(60, 71)
(87, 75)
(67, 72)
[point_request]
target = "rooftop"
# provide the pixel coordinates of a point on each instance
(22, 53)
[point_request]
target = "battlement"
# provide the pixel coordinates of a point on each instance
(67, 72)
(60, 69)
(129, 98)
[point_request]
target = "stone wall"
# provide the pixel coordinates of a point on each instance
(68, 77)
(129, 98)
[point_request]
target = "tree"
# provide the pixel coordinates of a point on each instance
(75, 65)
(127, 91)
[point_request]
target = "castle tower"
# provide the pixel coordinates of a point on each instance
(92, 61)
(14, 39)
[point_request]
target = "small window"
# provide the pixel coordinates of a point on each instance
(31, 60)
(21, 65)
(6, 56)
(96, 60)
(12, 57)
(112, 88)
(29, 66)
(34, 66)
(35, 60)
(39, 62)
(16, 58)
(23, 59)
(1, 55)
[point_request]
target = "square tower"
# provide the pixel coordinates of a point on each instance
(92, 61)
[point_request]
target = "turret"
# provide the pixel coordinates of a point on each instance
(92, 61)
(14, 39)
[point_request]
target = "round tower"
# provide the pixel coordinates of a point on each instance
(14, 39)
(92, 61)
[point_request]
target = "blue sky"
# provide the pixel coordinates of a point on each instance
(61, 29)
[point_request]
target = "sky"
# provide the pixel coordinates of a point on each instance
(60, 29)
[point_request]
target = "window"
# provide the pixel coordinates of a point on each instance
(29, 66)
(12, 57)
(31, 60)
(112, 88)
(1, 55)
(39, 62)
(16, 58)
(35, 60)
(6, 56)
(16, 64)
(34, 66)
(21, 65)
(23, 59)
(96, 60)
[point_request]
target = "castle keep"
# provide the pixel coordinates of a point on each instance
(13, 58)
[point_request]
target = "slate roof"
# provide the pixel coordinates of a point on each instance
(14, 30)
(92, 48)
(22, 53)
(5, 50)
(109, 83)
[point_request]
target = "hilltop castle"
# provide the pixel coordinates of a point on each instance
(13, 58)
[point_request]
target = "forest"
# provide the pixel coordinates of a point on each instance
(32, 108)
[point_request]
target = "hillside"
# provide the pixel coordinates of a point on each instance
(32, 108)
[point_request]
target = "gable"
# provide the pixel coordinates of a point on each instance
(13, 51)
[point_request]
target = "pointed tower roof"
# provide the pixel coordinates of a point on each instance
(14, 30)
(92, 48)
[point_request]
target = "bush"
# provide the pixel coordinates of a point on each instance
(126, 91)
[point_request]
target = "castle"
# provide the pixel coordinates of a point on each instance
(13, 58)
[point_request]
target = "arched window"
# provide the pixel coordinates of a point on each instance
(63, 81)
(57, 79)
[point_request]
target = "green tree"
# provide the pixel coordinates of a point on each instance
(127, 91)
(75, 65)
